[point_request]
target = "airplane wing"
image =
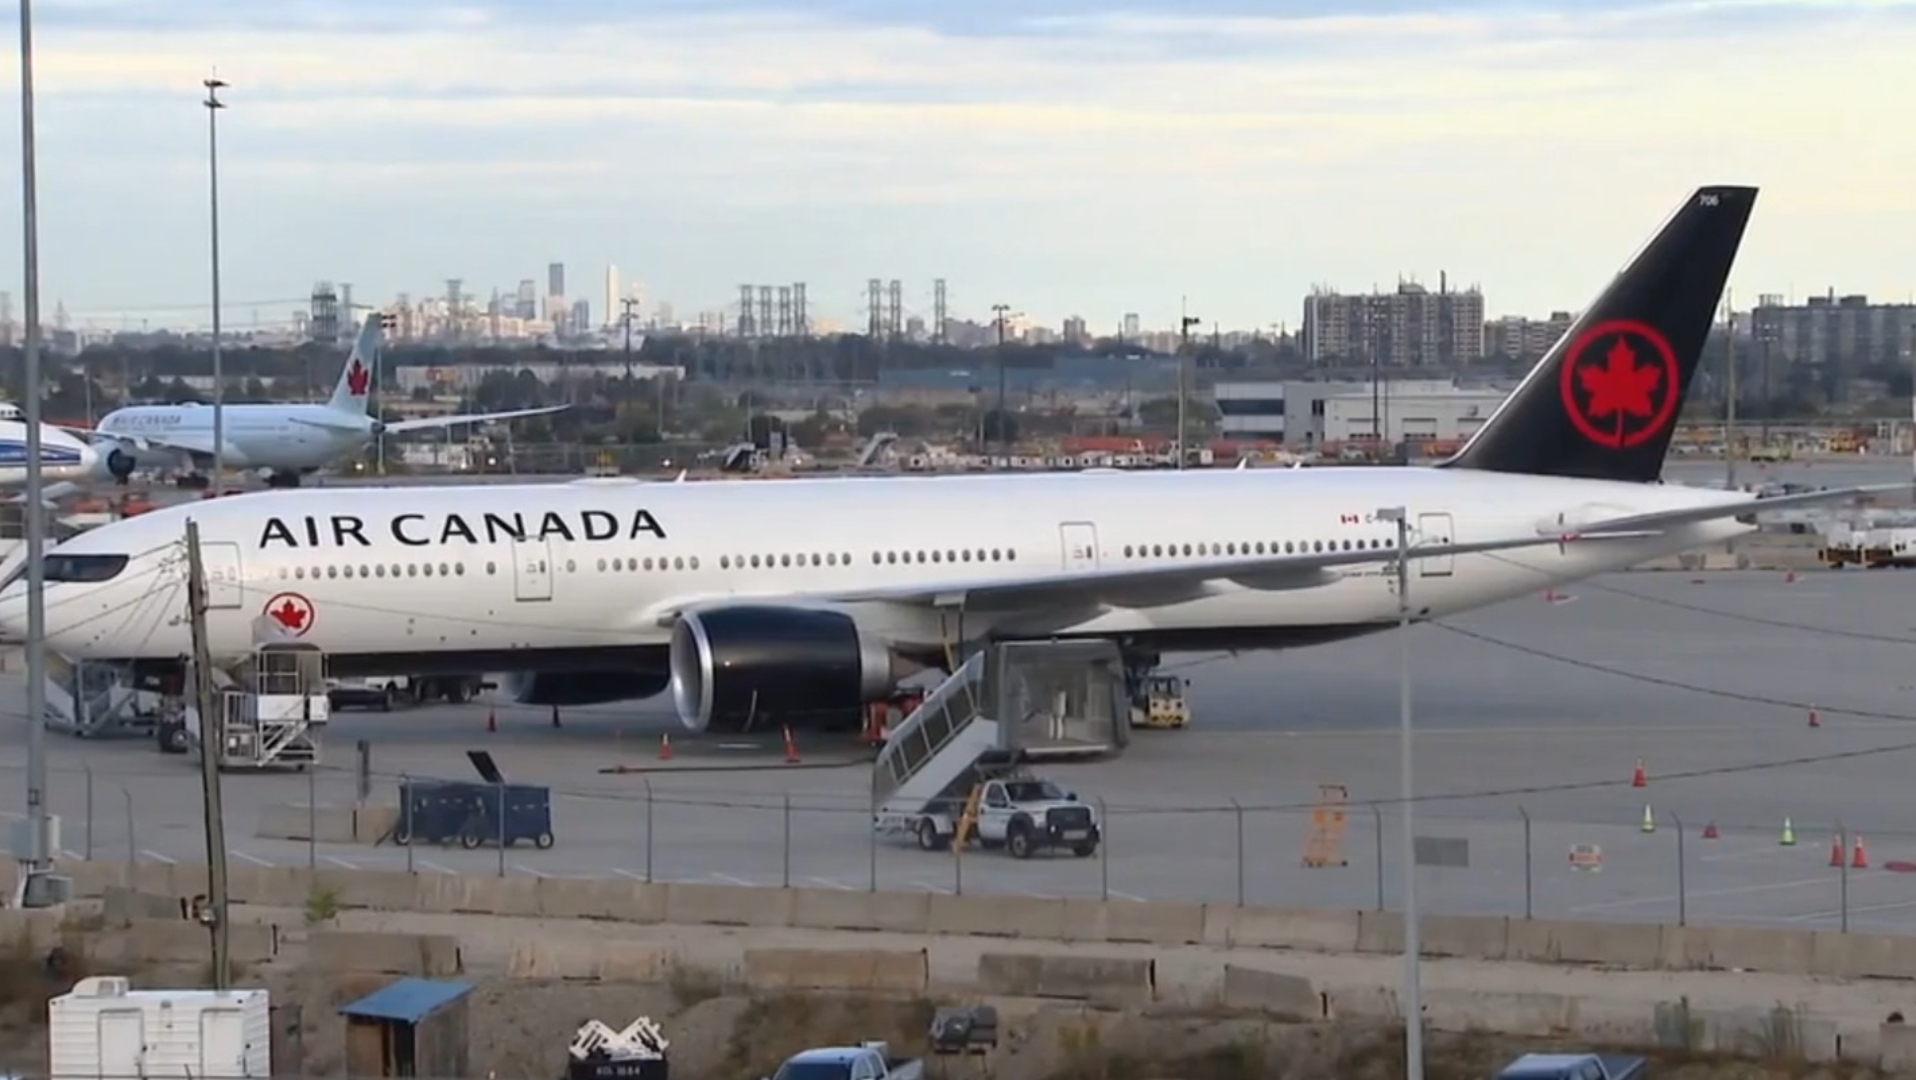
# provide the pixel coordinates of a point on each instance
(185, 443)
(1660, 520)
(431, 422)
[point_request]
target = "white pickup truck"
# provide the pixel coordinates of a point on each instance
(1022, 814)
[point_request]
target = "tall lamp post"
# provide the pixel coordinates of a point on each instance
(1413, 994)
(38, 857)
(213, 106)
(1001, 312)
(1185, 323)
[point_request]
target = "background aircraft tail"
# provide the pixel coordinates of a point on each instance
(1604, 402)
(356, 380)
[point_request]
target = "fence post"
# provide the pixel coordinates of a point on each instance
(1683, 875)
(1842, 850)
(501, 810)
(1377, 815)
(871, 855)
(132, 850)
(1238, 809)
(1104, 851)
(788, 840)
(1529, 880)
(648, 829)
(89, 813)
(405, 817)
(312, 817)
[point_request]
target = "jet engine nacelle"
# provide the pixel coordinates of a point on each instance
(119, 463)
(735, 668)
(583, 687)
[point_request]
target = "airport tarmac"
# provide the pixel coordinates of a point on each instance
(1537, 707)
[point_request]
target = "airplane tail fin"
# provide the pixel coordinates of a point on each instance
(1603, 403)
(362, 364)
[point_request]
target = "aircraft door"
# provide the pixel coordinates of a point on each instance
(225, 588)
(1079, 540)
(532, 570)
(1435, 529)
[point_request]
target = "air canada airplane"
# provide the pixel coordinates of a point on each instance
(286, 441)
(795, 602)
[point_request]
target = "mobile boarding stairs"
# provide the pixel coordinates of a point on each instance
(1063, 700)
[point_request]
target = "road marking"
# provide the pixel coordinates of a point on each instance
(1738, 890)
(830, 884)
(929, 887)
(340, 862)
(74, 855)
(730, 880)
(1768, 851)
(622, 872)
(156, 856)
(1127, 896)
(1854, 909)
(254, 859)
(430, 865)
(529, 870)
(1034, 894)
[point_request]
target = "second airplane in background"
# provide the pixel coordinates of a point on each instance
(285, 441)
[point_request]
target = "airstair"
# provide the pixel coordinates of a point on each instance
(1063, 699)
(273, 708)
(95, 700)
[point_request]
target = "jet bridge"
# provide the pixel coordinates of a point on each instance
(1006, 703)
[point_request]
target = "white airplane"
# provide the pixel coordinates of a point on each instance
(795, 602)
(286, 441)
(65, 461)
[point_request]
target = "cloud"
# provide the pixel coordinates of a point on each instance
(1089, 156)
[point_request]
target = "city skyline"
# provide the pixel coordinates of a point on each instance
(1069, 157)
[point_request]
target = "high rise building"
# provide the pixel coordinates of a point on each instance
(555, 279)
(526, 303)
(1833, 329)
(1410, 327)
(612, 295)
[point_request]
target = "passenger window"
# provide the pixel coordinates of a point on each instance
(426, 569)
(332, 571)
(492, 568)
(412, 569)
(678, 562)
(694, 562)
(934, 557)
(459, 569)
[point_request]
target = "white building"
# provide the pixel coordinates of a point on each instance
(1308, 415)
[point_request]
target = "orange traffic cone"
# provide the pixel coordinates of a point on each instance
(555, 716)
(1709, 831)
(492, 719)
(791, 747)
(1640, 778)
(1861, 861)
(1836, 851)
(1816, 718)
(665, 746)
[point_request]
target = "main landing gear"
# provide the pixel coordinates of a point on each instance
(282, 480)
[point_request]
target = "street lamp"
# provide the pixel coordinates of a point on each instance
(1002, 311)
(38, 857)
(1185, 323)
(213, 106)
(1413, 995)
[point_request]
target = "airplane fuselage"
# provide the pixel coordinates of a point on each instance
(285, 438)
(549, 577)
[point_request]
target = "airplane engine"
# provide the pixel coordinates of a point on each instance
(120, 464)
(751, 667)
(583, 687)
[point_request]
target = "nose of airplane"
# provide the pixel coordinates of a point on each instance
(13, 613)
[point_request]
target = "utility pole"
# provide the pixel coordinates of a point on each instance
(1001, 311)
(39, 858)
(625, 316)
(1186, 321)
(213, 107)
(1729, 415)
(1412, 1001)
(212, 743)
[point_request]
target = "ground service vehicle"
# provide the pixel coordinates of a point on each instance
(1018, 812)
(395, 690)
(1160, 703)
(1574, 1067)
(866, 1061)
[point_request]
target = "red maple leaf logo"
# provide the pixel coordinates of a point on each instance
(358, 378)
(289, 614)
(1618, 387)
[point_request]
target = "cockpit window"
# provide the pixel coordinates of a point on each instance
(87, 569)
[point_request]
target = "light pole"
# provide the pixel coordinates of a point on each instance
(1413, 948)
(1185, 322)
(213, 106)
(1001, 311)
(38, 857)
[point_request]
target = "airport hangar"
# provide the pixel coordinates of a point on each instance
(1307, 415)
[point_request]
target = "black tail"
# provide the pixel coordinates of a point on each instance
(1603, 402)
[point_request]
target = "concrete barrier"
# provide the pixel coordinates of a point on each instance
(599, 961)
(1115, 981)
(1637, 946)
(121, 906)
(1288, 997)
(1897, 1047)
(177, 941)
(367, 952)
(35, 930)
(1505, 1012)
(902, 971)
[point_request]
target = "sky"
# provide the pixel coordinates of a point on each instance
(1063, 157)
